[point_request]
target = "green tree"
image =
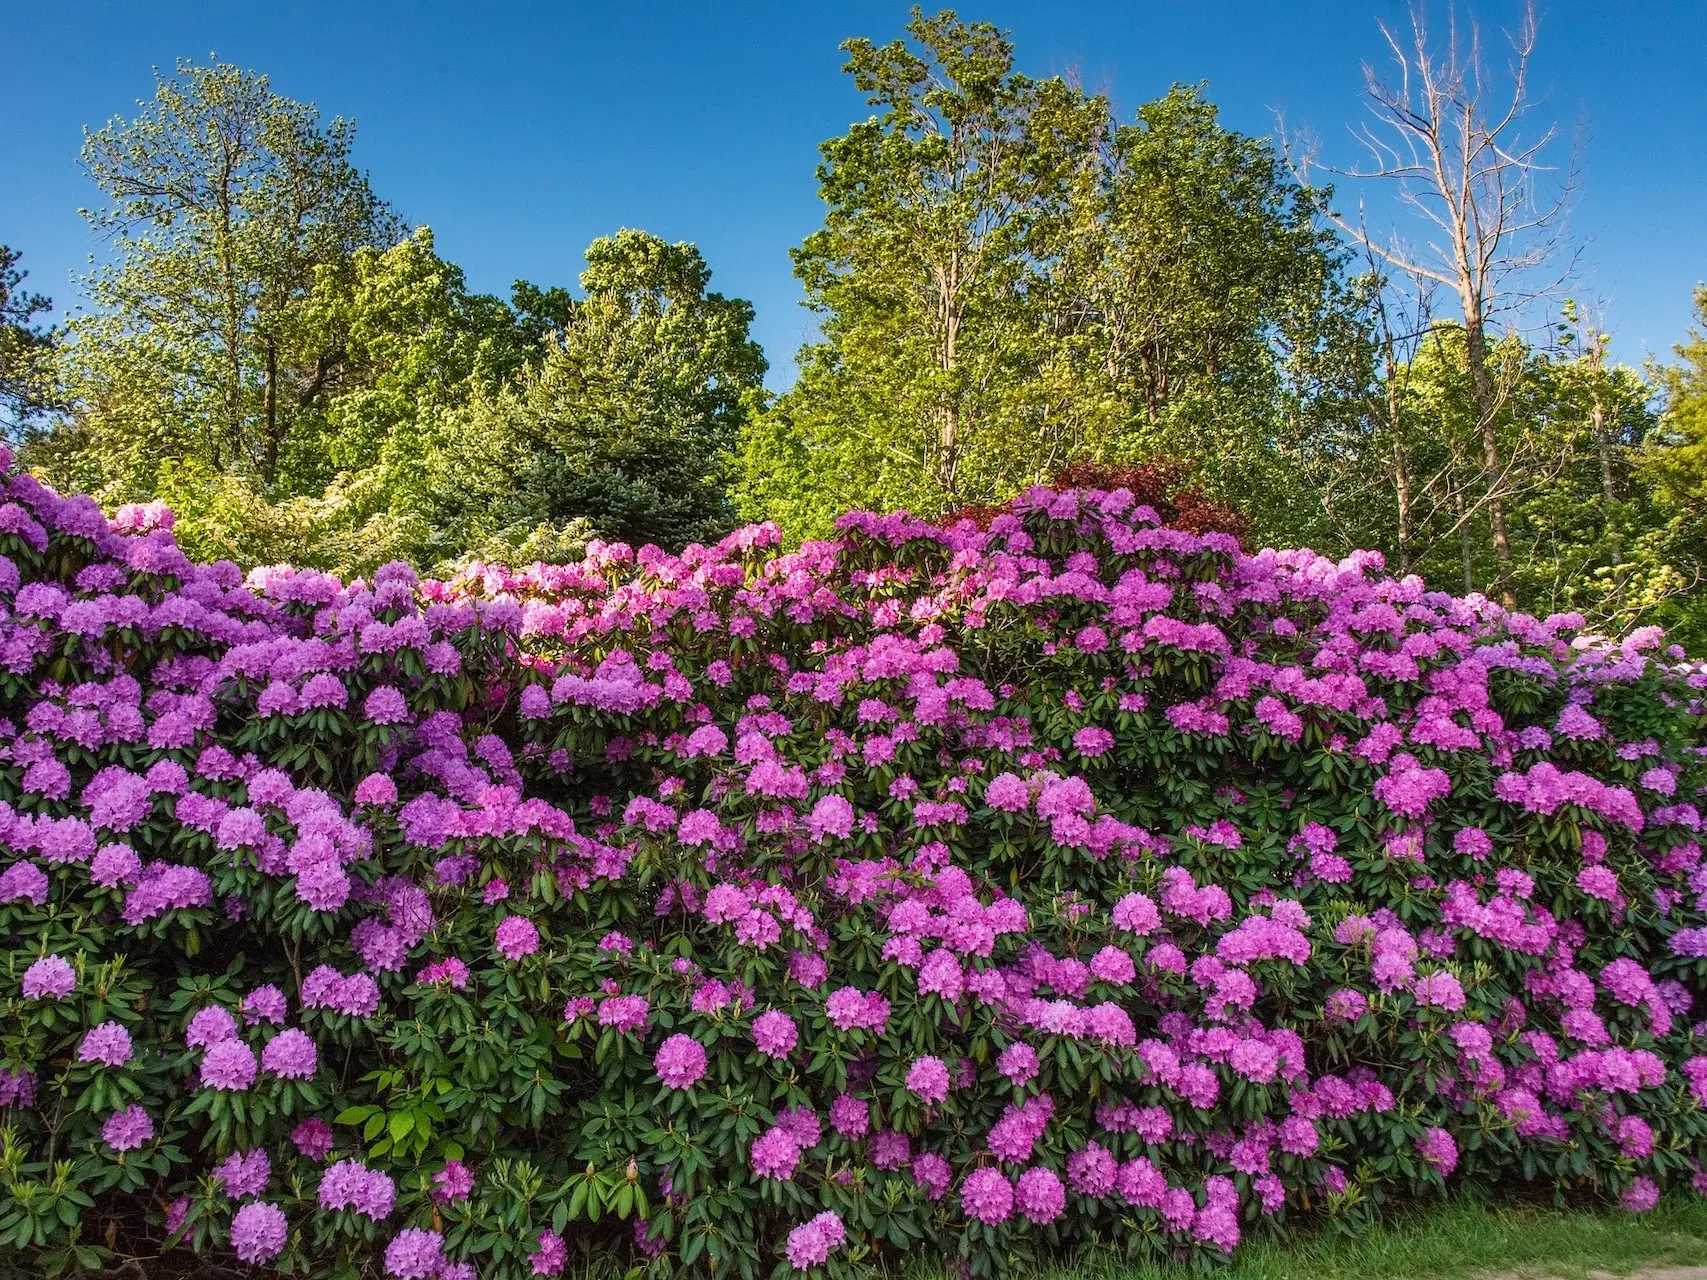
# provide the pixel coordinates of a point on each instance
(1678, 467)
(1586, 529)
(943, 213)
(226, 205)
(413, 346)
(1674, 468)
(624, 425)
(1586, 533)
(1009, 283)
(1217, 324)
(26, 351)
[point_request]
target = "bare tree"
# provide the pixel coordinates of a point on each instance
(1449, 134)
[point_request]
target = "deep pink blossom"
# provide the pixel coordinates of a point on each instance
(680, 1062)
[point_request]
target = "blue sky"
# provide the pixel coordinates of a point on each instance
(520, 132)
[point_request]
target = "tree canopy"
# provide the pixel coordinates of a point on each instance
(625, 423)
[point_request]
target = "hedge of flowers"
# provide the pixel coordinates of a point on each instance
(1069, 879)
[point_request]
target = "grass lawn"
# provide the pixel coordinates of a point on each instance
(1460, 1238)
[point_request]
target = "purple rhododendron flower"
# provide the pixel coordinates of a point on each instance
(349, 1184)
(290, 1055)
(128, 1129)
(209, 1026)
(50, 978)
(549, 1255)
(987, 1196)
(1437, 1147)
(229, 1065)
(415, 1254)
(376, 788)
(680, 1062)
(775, 1034)
(452, 1183)
(258, 1232)
(774, 1154)
(811, 1243)
(516, 937)
(313, 1137)
(1018, 1062)
(264, 1004)
(244, 1173)
(1040, 1196)
(850, 1116)
(927, 1079)
(1093, 741)
(932, 1172)
(108, 1044)
(386, 705)
(1640, 1196)
(24, 882)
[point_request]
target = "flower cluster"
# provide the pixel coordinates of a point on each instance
(891, 887)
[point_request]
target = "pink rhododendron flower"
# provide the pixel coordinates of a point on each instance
(516, 937)
(927, 1079)
(680, 1062)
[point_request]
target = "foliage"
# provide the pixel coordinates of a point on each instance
(1162, 484)
(414, 346)
(930, 277)
(1009, 282)
(1218, 318)
(270, 354)
(226, 203)
(1074, 879)
(1674, 469)
(1590, 529)
(26, 350)
(625, 423)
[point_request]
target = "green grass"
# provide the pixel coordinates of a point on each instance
(1461, 1238)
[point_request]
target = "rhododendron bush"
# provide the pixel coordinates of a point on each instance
(1071, 879)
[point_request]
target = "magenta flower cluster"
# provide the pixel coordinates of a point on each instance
(1006, 881)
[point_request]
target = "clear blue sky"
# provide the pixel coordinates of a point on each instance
(519, 132)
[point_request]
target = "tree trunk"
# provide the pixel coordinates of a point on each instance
(948, 354)
(1608, 488)
(948, 448)
(1464, 556)
(271, 403)
(233, 317)
(1401, 464)
(1487, 409)
(1609, 498)
(1402, 487)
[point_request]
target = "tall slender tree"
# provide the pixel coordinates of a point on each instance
(942, 211)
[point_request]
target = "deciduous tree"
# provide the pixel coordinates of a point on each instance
(225, 206)
(1449, 134)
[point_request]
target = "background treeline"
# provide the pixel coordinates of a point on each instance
(1010, 282)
